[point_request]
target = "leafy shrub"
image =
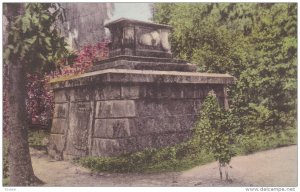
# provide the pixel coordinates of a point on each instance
(215, 130)
(149, 160)
(259, 141)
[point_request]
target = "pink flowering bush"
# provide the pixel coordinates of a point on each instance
(40, 101)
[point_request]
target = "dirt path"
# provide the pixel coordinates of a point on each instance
(269, 168)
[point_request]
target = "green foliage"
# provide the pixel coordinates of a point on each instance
(5, 181)
(34, 39)
(149, 160)
(216, 130)
(260, 141)
(35, 138)
(162, 12)
(199, 38)
(255, 42)
(274, 74)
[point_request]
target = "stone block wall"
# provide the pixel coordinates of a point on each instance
(116, 118)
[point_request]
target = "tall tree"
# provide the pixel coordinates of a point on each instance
(33, 44)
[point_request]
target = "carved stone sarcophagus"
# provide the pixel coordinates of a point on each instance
(137, 38)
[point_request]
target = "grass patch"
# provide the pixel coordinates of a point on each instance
(183, 156)
(248, 144)
(176, 158)
(36, 137)
(5, 181)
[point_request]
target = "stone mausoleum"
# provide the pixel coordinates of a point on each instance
(140, 97)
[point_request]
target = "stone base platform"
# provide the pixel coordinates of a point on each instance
(116, 111)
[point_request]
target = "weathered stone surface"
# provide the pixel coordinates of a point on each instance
(80, 122)
(166, 107)
(115, 108)
(56, 146)
(143, 76)
(84, 23)
(59, 126)
(128, 145)
(161, 140)
(113, 147)
(61, 96)
(139, 59)
(58, 139)
(60, 111)
(132, 37)
(105, 147)
(81, 94)
(130, 91)
(108, 92)
(160, 91)
(178, 91)
(142, 63)
(147, 141)
(162, 124)
(111, 128)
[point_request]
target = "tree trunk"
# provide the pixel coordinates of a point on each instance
(20, 168)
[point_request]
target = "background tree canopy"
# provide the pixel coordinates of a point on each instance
(255, 42)
(33, 37)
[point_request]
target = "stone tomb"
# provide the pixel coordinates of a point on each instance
(138, 98)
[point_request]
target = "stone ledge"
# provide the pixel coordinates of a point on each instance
(138, 65)
(140, 59)
(143, 76)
